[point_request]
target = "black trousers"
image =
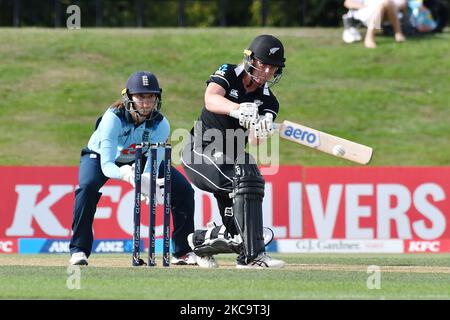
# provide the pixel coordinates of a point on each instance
(91, 179)
(214, 174)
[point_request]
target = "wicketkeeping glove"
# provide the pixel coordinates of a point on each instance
(127, 174)
(247, 114)
(160, 191)
(264, 127)
(145, 188)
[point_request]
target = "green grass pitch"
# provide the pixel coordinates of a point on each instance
(55, 83)
(306, 276)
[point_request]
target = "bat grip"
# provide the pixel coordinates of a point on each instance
(235, 114)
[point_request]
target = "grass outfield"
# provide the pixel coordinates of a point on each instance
(307, 276)
(55, 83)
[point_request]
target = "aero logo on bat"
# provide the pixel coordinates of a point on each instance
(307, 136)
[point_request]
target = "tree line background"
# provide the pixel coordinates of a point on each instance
(173, 13)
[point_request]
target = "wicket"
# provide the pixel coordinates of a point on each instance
(136, 261)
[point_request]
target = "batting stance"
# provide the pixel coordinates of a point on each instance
(133, 119)
(238, 100)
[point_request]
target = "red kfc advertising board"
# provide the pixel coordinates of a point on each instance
(410, 203)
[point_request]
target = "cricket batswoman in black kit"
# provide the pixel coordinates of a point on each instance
(239, 108)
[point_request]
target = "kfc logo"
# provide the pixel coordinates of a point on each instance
(6, 246)
(424, 246)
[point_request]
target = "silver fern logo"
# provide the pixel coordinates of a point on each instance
(273, 50)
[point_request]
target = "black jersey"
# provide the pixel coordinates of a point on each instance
(229, 77)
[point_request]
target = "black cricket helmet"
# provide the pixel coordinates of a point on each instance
(142, 82)
(269, 50)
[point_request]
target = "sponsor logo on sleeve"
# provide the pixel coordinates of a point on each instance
(222, 70)
(234, 93)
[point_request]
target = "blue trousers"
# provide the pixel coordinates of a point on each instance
(91, 179)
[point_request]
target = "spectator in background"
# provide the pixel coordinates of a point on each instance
(440, 10)
(371, 14)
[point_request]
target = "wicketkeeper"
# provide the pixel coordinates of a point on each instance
(133, 119)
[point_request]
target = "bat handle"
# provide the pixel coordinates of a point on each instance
(235, 114)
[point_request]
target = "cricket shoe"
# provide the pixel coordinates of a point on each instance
(263, 260)
(215, 240)
(189, 258)
(206, 261)
(78, 259)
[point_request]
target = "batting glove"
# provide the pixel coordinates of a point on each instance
(247, 113)
(264, 127)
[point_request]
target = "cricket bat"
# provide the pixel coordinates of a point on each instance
(324, 142)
